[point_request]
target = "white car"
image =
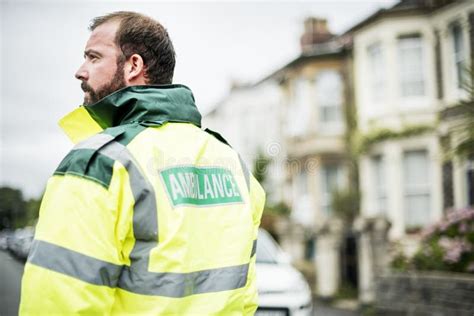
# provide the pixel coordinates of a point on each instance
(19, 242)
(282, 290)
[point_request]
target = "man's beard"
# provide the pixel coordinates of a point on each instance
(117, 82)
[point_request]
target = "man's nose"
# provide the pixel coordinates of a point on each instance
(82, 73)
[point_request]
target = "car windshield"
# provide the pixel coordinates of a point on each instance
(267, 248)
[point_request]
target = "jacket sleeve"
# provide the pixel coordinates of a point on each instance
(76, 256)
(257, 200)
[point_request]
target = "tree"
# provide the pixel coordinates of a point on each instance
(16, 212)
(32, 211)
(345, 204)
(12, 207)
(464, 146)
(272, 211)
(260, 167)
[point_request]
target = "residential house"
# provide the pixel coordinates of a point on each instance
(316, 94)
(398, 75)
(297, 116)
(407, 67)
(454, 32)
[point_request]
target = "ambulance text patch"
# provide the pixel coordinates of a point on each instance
(200, 186)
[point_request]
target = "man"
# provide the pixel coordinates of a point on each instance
(148, 214)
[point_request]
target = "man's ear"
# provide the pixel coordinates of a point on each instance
(134, 70)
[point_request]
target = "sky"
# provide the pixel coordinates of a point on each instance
(42, 44)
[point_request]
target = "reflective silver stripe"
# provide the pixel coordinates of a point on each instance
(254, 248)
(98, 272)
(74, 264)
(184, 284)
(246, 172)
(145, 223)
(94, 142)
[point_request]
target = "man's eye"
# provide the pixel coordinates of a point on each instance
(93, 58)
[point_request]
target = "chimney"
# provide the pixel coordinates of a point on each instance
(315, 32)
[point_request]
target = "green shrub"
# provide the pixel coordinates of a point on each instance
(446, 246)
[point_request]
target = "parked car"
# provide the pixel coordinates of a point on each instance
(4, 236)
(19, 242)
(282, 289)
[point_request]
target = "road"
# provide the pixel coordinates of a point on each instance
(330, 311)
(11, 271)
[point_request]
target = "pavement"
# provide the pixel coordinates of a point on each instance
(326, 310)
(11, 271)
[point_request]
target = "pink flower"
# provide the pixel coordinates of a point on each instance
(443, 226)
(454, 248)
(445, 243)
(453, 254)
(463, 228)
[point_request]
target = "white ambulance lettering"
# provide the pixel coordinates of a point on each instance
(175, 187)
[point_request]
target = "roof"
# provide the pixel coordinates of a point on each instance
(336, 47)
(403, 8)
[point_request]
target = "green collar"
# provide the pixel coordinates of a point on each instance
(147, 105)
(153, 105)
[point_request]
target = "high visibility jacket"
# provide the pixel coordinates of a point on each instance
(147, 215)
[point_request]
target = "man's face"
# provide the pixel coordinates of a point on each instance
(100, 73)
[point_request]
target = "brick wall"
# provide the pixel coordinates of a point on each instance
(436, 294)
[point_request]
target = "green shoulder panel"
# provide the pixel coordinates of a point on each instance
(90, 163)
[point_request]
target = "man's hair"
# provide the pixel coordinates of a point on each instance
(140, 34)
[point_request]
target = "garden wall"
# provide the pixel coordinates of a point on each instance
(425, 293)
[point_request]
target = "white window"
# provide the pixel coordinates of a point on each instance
(379, 184)
(458, 53)
(301, 184)
(376, 71)
(331, 181)
(302, 209)
(416, 188)
(299, 108)
(410, 59)
(329, 96)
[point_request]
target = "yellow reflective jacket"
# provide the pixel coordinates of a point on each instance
(147, 215)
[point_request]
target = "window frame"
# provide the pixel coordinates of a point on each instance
(407, 79)
(376, 69)
(322, 103)
(418, 189)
